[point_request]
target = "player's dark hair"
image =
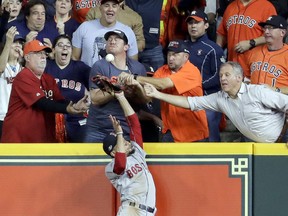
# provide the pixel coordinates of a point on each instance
(31, 4)
(65, 36)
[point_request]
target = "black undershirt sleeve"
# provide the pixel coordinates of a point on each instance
(51, 105)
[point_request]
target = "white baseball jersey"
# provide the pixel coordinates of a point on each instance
(6, 80)
(136, 184)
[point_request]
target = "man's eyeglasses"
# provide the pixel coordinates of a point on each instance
(40, 53)
(269, 28)
(62, 46)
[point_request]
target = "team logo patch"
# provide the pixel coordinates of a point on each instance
(110, 147)
(222, 59)
(199, 52)
(174, 44)
(40, 44)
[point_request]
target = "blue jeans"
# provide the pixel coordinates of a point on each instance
(75, 132)
(152, 57)
(93, 135)
(167, 137)
(245, 139)
(214, 119)
(285, 137)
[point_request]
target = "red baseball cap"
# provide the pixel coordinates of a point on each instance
(35, 46)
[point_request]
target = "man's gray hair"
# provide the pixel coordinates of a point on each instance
(237, 69)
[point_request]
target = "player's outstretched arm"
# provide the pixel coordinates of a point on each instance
(126, 107)
(119, 133)
(180, 101)
(119, 151)
(131, 117)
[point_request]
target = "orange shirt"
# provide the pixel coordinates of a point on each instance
(241, 23)
(268, 67)
(81, 8)
(184, 124)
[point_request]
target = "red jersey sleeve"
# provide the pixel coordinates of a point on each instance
(120, 163)
(135, 129)
(136, 136)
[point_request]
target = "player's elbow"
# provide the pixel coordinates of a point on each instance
(119, 170)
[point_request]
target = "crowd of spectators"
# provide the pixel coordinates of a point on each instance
(178, 46)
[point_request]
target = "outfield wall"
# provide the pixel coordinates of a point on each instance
(203, 179)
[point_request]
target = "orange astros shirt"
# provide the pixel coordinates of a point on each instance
(184, 124)
(268, 67)
(241, 23)
(81, 8)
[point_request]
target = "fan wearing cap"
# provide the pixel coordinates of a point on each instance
(90, 49)
(128, 171)
(240, 30)
(10, 66)
(207, 56)
(268, 63)
(178, 77)
(34, 99)
(104, 103)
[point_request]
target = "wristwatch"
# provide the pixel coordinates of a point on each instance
(252, 43)
(278, 89)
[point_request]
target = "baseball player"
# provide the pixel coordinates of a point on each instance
(240, 30)
(128, 171)
(268, 63)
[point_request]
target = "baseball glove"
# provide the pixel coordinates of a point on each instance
(106, 84)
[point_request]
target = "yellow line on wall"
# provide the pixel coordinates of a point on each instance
(276, 149)
(198, 148)
(50, 149)
(150, 148)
